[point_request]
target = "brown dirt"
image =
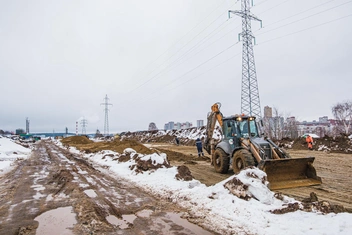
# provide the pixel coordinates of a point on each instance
(184, 173)
(53, 178)
(84, 144)
(335, 169)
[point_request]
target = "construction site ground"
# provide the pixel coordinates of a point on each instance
(335, 169)
(54, 189)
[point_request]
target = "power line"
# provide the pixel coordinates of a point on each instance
(273, 7)
(279, 21)
(180, 48)
(188, 72)
(305, 18)
(172, 88)
(328, 22)
(150, 79)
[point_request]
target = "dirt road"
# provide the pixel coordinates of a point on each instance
(54, 189)
(334, 169)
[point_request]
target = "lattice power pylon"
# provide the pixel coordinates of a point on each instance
(84, 124)
(106, 109)
(250, 103)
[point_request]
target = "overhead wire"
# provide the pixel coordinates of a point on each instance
(257, 44)
(277, 5)
(179, 48)
(153, 77)
(304, 18)
(191, 30)
(299, 31)
(188, 80)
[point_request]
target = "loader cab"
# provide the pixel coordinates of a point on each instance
(248, 127)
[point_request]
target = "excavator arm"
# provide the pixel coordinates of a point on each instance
(214, 116)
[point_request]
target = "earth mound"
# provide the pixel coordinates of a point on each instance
(82, 143)
(74, 140)
(183, 173)
(309, 205)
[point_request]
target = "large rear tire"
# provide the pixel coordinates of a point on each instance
(221, 161)
(242, 159)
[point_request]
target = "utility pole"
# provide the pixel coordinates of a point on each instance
(106, 110)
(250, 103)
(84, 124)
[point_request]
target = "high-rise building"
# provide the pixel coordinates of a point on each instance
(200, 123)
(169, 126)
(268, 112)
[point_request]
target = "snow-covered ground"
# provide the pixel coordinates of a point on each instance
(10, 152)
(216, 207)
(213, 206)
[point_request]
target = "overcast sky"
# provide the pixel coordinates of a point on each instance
(161, 61)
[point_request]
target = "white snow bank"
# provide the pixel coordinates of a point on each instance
(216, 208)
(9, 152)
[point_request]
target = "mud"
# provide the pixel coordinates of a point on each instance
(52, 178)
(335, 169)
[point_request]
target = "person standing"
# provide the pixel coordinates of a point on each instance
(309, 141)
(199, 147)
(177, 141)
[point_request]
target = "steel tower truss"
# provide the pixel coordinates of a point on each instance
(106, 109)
(250, 103)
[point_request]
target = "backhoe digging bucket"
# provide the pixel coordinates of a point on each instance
(290, 172)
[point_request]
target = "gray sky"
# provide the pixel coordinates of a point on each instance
(161, 61)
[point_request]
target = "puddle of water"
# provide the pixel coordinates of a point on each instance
(90, 193)
(176, 218)
(56, 222)
(122, 223)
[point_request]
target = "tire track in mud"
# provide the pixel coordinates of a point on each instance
(52, 178)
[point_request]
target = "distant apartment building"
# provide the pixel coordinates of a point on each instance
(177, 125)
(324, 126)
(20, 131)
(268, 112)
(169, 126)
(186, 125)
(200, 123)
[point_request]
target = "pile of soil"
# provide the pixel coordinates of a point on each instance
(340, 144)
(147, 165)
(184, 173)
(75, 140)
(84, 144)
(187, 137)
(310, 204)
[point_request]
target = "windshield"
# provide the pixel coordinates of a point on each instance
(251, 131)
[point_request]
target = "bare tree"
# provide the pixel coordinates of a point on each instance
(343, 114)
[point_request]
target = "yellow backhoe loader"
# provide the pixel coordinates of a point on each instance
(242, 145)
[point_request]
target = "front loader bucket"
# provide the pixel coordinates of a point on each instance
(290, 172)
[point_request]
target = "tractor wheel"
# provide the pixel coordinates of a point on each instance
(242, 159)
(221, 161)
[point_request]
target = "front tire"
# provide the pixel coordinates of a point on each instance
(221, 161)
(242, 159)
